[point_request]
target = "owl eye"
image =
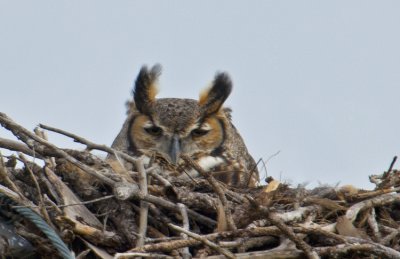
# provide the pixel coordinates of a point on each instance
(154, 130)
(199, 132)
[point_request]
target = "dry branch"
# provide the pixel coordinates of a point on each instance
(204, 241)
(185, 222)
(144, 206)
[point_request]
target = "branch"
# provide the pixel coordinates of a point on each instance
(204, 241)
(381, 200)
(36, 142)
(17, 146)
(144, 206)
(185, 222)
(145, 255)
(6, 179)
(91, 145)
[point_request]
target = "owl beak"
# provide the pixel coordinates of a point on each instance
(174, 149)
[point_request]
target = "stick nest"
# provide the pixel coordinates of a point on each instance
(101, 213)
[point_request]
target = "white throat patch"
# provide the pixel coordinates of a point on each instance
(209, 162)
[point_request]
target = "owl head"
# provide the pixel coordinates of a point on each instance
(172, 127)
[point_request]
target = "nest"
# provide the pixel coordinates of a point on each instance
(70, 203)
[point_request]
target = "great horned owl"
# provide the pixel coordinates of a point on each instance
(166, 128)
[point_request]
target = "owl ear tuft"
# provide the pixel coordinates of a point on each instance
(146, 89)
(212, 98)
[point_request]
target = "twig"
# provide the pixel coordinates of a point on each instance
(33, 177)
(376, 248)
(122, 190)
(92, 234)
(4, 177)
(53, 205)
(40, 197)
(176, 244)
(204, 241)
(246, 243)
(50, 161)
(161, 239)
(90, 145)
(337, 251)
(30, 139)
(373, 224)
(153, 171)
(253, 169)
(17, 146)
(217, 188)
(371, 194)
(174, 207)
(185, 223)
(392, 164)
(237, 197)
(287, 217)
(83, 254)
(10, 193)
(392, 234)
(381, 200)
(171, 245)
(74, 204)
(144, 206)
(268, 254)
(145, 255)
(264, 163)
(290, 234)
(321, 232)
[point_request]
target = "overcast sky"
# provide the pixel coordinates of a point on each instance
(317, 80)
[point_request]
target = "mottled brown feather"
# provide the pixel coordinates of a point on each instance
(217, 146)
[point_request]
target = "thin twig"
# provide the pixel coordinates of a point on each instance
(4, 177)
(371, 194)
(185, 223)
(381, 200)
(33, 177)
(73, 204)
(53, 205)
(90, 145)
(144, 206)
(153, 171)
(37, 186)
(174, 207)
(50, 161)
(392, 164)
(10, 193)
(373, 224)
(144, 255)
(17, 146)
(377, 248)
(204, 241)
(171, 245)
(392, 234)
(264, 164)
(32, 140)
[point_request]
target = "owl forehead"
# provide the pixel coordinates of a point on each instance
(176, 114)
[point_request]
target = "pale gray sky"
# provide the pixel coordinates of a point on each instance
(317, 80)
